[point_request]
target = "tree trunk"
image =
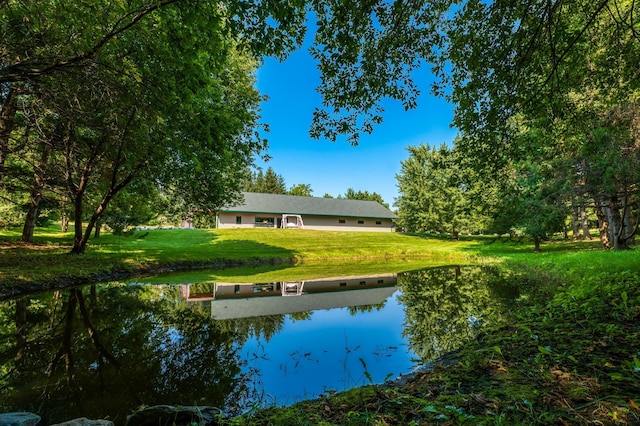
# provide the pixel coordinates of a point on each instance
(610, 206)
(78, 245)
(536, 243)
(64, 214)
(603, 226)
(36, 195)
(96, 233)
(64, 221)
(7, 123)
(65, 353)
(21, 333)
(574, 223)
(617, 230)
(628, 226)
(80, 239)
(32, 214)
(585, 223)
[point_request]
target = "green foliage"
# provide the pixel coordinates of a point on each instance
(268, 182)
(352, 194)
(11, 214)
(437, 193)
(156, 91)
(366, 54)
(301, 189)
(131, 208)
(530, 200)
(567, 103)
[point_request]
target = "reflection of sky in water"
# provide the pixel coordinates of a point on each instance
(324, 352)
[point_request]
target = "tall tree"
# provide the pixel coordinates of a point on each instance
(268, 182)
(273, 183)
(301, 189)
(435, 192)
(170, 112)
(352, 194)
(152, 59)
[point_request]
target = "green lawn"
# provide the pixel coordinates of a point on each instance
(323, 253)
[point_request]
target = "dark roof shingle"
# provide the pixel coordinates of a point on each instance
(293, 204)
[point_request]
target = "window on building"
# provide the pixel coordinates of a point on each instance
(378, 222)
(361, 222)
(264, 221)
(238, 220)
(342, 221)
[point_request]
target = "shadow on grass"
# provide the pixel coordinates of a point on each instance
(502, 244)
(33, 268)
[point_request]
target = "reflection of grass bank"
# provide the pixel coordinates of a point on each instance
(296, 272)
(32, 266)
(571, 355)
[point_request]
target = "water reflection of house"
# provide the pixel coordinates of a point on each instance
(233, 300)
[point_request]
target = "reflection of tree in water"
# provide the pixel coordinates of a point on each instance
(355, 310)
(247, 328)
(88, 352)
(242, 328)
(446, 306)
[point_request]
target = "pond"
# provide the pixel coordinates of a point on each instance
(104, 350)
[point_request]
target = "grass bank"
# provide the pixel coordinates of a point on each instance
(46, 264)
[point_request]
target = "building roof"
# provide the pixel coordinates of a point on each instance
(316, 206)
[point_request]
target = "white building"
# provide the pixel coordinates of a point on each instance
(291, 211)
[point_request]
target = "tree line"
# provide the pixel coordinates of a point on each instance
(546, 101)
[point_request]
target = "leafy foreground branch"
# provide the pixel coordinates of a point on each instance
(572, 359)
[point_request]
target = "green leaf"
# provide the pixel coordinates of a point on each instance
(545, 350)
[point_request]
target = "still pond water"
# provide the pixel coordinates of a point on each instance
(104, 350)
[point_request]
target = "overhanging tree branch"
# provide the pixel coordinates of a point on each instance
(554, 66)
(29, 70)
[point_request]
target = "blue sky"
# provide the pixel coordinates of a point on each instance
(334, 167)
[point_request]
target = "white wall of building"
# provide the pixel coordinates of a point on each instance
(248, 220)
